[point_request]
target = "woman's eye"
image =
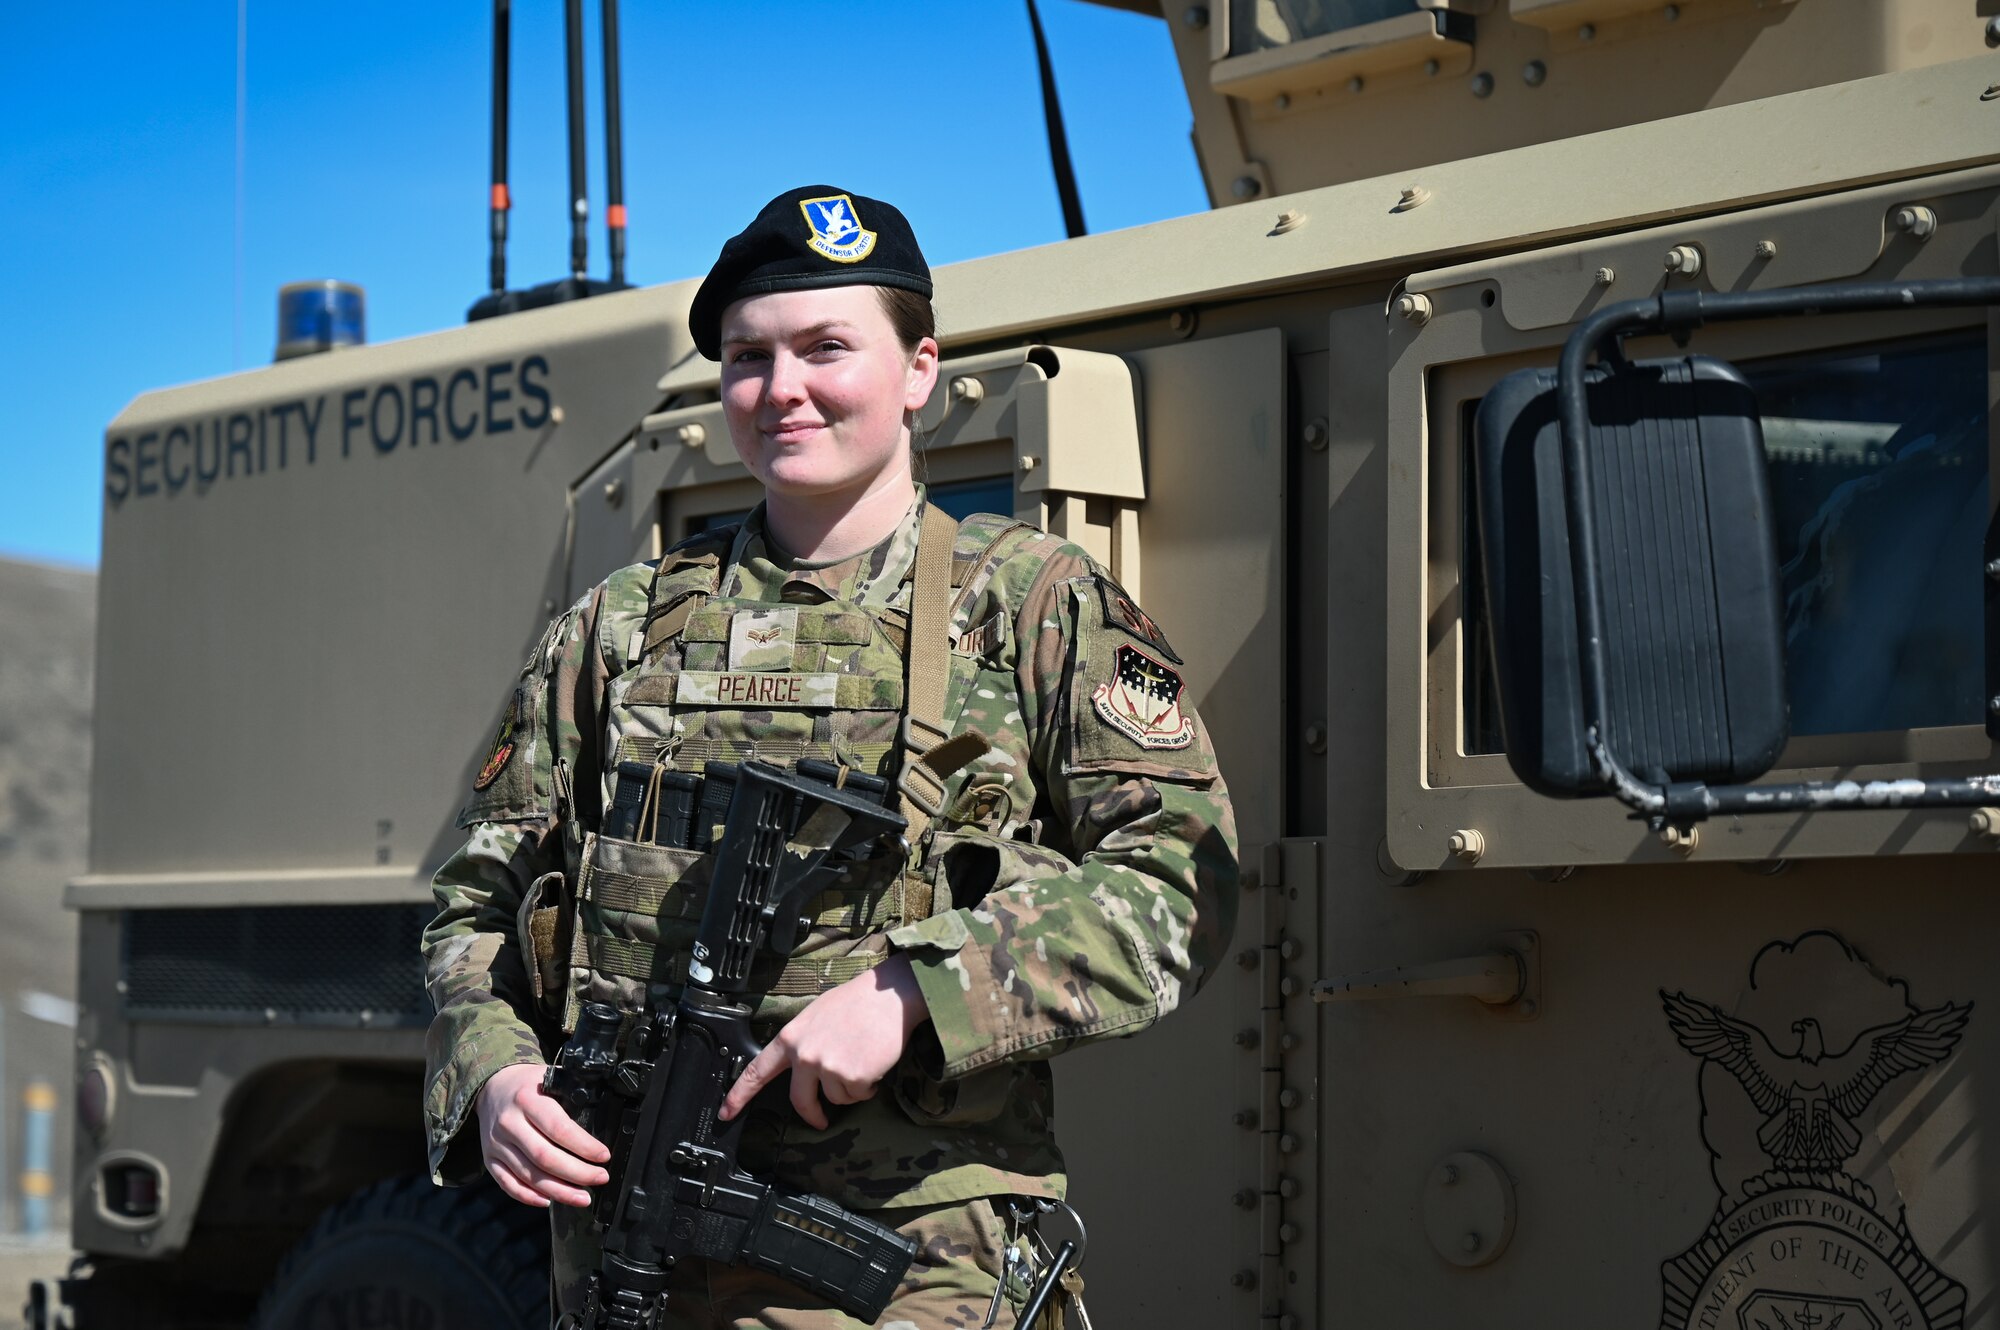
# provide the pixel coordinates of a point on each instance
(827, 348)
(745, 356)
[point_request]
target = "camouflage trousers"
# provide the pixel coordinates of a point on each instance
(961, 1253)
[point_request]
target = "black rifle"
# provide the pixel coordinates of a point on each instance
(676, 1189)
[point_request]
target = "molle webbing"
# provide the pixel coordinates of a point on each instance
(806, 976)
(625, 958)
(849, 629)
(691, 754)
(812, 973)
(634, 894)
(848, 922)
(803, 976)
(685, 579)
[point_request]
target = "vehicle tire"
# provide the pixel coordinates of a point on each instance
(407, 1254)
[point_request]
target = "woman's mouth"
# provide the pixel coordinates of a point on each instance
(795, 431)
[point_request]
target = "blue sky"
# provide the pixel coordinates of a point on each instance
(365, 158)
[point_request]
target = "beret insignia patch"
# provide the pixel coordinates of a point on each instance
(1143, 702)
(836, 229)
(503, 746)
(1121, 611)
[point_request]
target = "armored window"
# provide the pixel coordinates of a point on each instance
(1878, 464)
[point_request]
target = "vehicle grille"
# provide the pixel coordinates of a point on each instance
(311, 964)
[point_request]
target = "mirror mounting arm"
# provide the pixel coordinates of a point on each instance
(1679, 313)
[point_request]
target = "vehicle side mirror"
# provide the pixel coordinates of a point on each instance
(1692, 636)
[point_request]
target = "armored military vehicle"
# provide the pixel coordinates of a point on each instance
(1492, 1046)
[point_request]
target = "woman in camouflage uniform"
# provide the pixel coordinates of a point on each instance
(1077, 883)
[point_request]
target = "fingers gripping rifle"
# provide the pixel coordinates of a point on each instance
(676, 1189)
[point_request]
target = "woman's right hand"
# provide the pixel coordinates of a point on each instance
(534, 1149)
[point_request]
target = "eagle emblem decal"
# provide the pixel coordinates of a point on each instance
(837, 232)
(1809, 1230)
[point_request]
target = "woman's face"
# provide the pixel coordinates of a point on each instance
(815, 387)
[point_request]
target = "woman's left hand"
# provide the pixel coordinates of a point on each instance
(841, 1045)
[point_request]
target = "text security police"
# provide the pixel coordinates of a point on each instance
(192, 455)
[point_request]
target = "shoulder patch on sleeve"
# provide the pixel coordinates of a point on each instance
(1142, 701)
(1121, 611)
(503, 745)
(1128, 709)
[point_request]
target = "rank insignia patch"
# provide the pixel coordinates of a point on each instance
(836, 231)
(1144, 702)
(1121, 611)
(762, 639)
(503, 746)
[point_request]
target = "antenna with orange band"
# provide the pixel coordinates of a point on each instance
(497, 266)
(578, 284)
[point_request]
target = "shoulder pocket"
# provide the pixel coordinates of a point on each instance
(1129, 710)
(514, 780)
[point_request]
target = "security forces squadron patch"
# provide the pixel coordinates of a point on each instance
(1144, 702)
(1810, 1229)
(836, 230)
(1121, 611)
(503, 746)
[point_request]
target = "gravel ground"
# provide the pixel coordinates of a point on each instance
(22, 1261)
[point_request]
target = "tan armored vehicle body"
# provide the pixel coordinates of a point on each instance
(1565, 1070)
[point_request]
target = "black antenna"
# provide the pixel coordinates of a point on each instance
(614, 148)
(576, 286)
(1072, 204)
(579, 199)
(497, 266)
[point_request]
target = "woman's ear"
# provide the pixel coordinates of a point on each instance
(923, 375)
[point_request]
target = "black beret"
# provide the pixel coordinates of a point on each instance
(808, 237)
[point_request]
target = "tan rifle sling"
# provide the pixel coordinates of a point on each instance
(930, 756)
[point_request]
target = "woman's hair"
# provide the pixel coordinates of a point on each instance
(913, 319)
(909, 314)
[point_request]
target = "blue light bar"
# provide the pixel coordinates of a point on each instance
(319, 316)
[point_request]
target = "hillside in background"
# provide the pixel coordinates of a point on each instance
(48, 622)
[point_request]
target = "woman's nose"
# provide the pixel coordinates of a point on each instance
(787, 383)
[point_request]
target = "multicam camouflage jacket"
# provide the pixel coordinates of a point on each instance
(1081, 883)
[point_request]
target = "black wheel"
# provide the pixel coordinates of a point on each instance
(404, 1253)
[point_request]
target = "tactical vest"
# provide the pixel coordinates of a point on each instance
(716, 678)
